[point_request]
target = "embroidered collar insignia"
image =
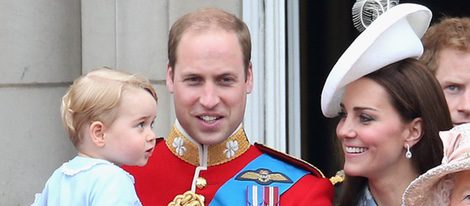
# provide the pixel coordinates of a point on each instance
(190, 152)
(263, 176)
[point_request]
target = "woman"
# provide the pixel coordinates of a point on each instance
(391, 108)
(447, 184)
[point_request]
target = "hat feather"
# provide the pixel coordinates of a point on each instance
(364, 12)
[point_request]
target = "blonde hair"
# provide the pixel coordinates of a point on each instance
(442, 191)
(96, 97)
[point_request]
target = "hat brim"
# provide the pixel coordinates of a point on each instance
(381, 44)
(419, 191)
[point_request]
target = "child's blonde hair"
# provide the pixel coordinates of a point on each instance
(96, 97)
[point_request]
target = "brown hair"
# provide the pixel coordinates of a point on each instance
(414, 92)
(451, 33)
(203, 20)
(96, 97)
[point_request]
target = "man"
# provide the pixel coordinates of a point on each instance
(207, 158)
(447, 54)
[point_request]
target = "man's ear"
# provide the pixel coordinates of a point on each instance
(249, 79)
(97, 133)
(415, 129)
(169, 78)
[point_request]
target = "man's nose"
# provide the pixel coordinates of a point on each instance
(209, 97)
(464, 102)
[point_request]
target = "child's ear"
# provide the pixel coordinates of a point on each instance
(97, 133)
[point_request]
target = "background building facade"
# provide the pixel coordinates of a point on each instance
(46, 44)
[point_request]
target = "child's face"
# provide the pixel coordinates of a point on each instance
(461, 191)
(130, 139)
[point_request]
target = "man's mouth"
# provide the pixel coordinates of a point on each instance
(209, 119)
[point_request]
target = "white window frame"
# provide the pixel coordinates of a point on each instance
(266, 119)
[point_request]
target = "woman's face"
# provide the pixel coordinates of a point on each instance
(371, 131)
(461, 193)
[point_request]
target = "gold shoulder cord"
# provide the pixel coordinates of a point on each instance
(189, 198)
(338, 178)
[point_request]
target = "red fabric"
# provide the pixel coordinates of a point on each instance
(166, 176)
(289, 159)
(309, 190)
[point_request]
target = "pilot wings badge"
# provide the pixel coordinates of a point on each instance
(263, 176)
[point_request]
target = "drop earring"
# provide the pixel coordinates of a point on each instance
(408, 154)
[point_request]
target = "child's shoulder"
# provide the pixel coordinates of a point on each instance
(91, 168)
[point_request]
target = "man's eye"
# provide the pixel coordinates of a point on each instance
(192, 80)
(452, 88)
(226, 81)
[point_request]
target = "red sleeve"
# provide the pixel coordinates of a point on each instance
(309, 190)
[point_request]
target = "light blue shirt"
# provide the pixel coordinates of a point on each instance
(367, 199)
(88, 182)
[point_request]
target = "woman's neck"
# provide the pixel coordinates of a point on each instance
(387, 189)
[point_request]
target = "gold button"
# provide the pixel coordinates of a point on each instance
(201, 183)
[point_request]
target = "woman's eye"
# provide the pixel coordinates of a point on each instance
(342, 114)
(365, 118)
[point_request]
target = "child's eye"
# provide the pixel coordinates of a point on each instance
(141, 125)
(151, 124)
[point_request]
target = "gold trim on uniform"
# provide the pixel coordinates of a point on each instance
(338, 178)
(263, 176)
(220, 153)
(201, 183)
(189, 198)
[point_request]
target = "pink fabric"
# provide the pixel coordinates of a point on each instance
(456, 143)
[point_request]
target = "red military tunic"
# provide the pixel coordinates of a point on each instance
(229, 169)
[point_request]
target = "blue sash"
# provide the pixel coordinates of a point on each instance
(234, 191)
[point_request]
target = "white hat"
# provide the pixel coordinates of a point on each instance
(456, 158)
(393, 36)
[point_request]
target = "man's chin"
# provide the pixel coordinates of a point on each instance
(208, 140)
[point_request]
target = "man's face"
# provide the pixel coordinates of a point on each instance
(453, 74)
(209, 84)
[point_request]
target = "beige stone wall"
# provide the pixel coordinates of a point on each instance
(45, 44)
(39, 55)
